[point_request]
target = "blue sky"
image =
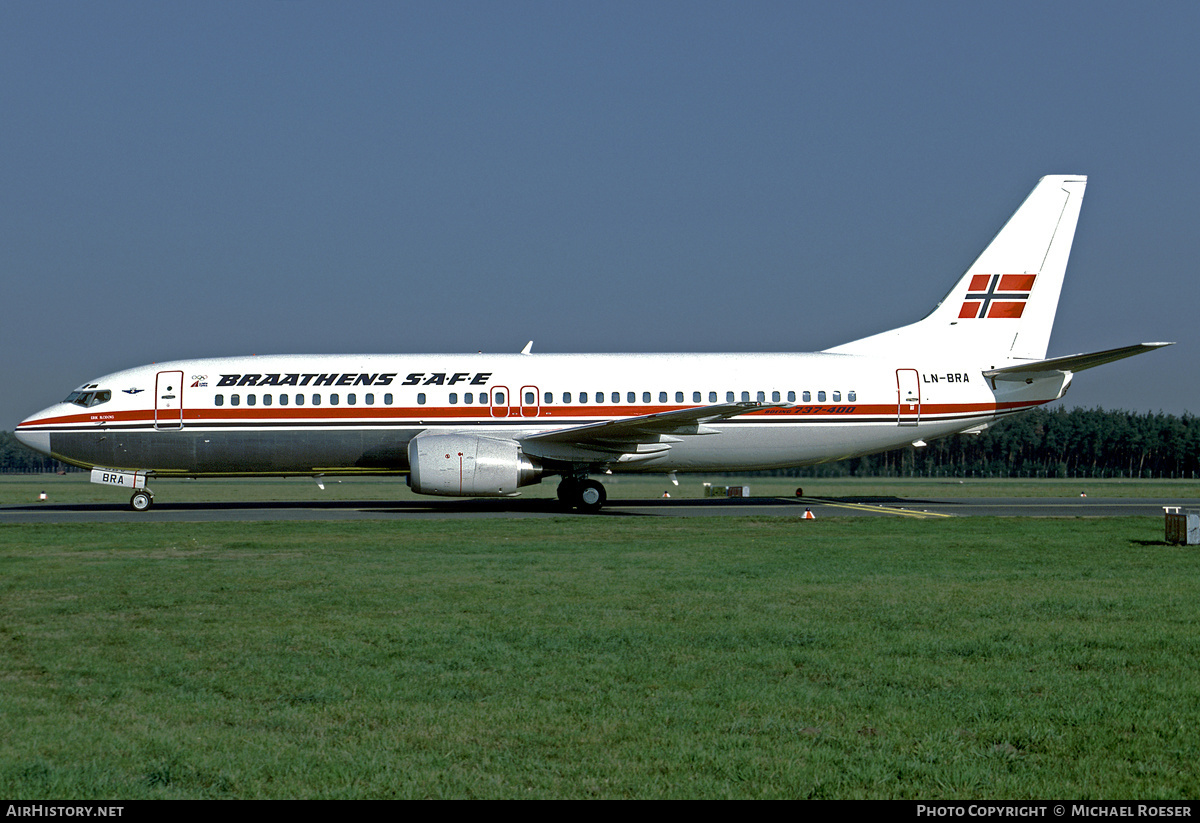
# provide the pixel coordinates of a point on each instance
(185, 179)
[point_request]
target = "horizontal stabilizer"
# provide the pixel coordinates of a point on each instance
(1069, 364)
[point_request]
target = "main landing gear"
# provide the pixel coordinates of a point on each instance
(142, 500)
(587, 496)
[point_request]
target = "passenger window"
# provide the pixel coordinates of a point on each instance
(695, 397)
(370, 399)
(266, 399)
(852, 396)
(530, 398)
(498, 398)
(235, 400)
(774, 397)
(566, 397)
(316, 399)
(791, 397)
(616, 397)
(219, 400)
(468, 398)
(631, 397)
(350, 399)
(333, 399)
(712, 397)
(549, 397)
(283, 399)
(299, 400)
(745, 396)
(762, 397)
(678, 397)
(599, 397)
(837, 397)
(251, 399)
(820, 397)
(453, 398)
(645, 397)
(387, 400)
(421, 398)
(807, 397)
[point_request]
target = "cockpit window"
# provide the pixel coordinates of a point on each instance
(88, 398)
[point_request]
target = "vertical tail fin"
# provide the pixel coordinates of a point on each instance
(1004, 305)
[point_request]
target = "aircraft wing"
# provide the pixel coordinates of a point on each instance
(633, 439)
(1069, 364)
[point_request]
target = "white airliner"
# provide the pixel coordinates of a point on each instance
(487, 424)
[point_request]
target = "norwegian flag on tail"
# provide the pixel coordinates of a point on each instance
(997, 296)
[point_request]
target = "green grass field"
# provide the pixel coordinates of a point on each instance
(600, 657)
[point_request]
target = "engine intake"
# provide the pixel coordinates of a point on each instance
(459, 465)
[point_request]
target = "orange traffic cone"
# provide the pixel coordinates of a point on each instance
(808, 515)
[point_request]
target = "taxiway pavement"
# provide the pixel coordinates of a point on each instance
(656, 507)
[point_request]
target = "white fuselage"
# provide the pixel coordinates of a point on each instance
(335, 414)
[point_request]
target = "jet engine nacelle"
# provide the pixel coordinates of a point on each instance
(463, 465)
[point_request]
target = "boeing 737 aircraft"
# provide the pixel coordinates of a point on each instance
(485, 424)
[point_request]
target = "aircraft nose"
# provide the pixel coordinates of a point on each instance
(39, 441)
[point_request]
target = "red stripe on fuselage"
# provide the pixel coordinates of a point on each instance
(567, 416)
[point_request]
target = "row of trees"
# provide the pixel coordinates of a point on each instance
(1040, 443)
(1047, 443)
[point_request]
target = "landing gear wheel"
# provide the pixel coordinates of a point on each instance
(590, 496)
(141, 501)
(567, 491)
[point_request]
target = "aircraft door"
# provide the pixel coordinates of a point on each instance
(529, 401)
(168, 400)
(908, 397)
